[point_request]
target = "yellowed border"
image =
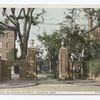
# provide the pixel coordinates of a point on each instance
(51, 5)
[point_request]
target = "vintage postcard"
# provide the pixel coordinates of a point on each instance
(50, 49)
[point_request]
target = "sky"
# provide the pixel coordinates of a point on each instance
(53, 16)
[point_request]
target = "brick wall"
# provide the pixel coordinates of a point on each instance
(26, 67)
(7, 46)
(6, 68)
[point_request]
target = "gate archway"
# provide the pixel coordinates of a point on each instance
(8, 67)
(15, 72)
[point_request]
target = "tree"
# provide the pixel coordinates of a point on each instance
(70, 33)
(52, 44)
(94, 13)
(29, 19)
(73, 34)
(40, 59)
(93, 46)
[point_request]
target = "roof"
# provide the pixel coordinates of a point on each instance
(3, 27)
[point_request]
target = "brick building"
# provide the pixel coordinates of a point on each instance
(7, 45)
(93, 32)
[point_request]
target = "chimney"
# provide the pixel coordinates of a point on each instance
(6, 21)
(90, 22)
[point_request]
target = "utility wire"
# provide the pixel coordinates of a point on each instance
(56, 24)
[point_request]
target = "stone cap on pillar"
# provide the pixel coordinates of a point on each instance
(32, 43)
(62, 45)
(31, 49)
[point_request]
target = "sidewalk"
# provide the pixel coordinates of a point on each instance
(17, 83)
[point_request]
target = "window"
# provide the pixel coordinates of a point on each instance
(0, 44)
(7, 55)
(7, 44)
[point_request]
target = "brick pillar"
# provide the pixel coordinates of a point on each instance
(63, 63)
(31, 59)
(0, 70)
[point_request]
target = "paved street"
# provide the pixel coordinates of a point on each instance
(17, 84)
(50, 87)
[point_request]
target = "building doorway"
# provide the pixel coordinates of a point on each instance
(14, 72)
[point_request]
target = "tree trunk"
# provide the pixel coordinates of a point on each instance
(23, 48)
(49, 66)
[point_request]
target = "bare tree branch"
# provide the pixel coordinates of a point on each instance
(42, 19)
(38, 26)
(28, 12)
(20, 12)
(26, 15)
(32, 11)
(13, 11)
(30, 23)
(25, 28)
(28, 30)
(5, 14)
(24, 12)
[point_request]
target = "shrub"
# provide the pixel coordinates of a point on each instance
(94, 67)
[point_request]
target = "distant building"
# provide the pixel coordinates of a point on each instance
(7, 45)
(93, 37)
(93, 32)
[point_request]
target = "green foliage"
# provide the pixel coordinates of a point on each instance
(51, 42)
(2, 31)
(50, 76)
(94, 67)
(94, 12)
(89, 11)
(73, 36)
(71, 32)
(11, 54)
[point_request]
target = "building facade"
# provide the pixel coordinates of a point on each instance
(7, 45)
(93, 32)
